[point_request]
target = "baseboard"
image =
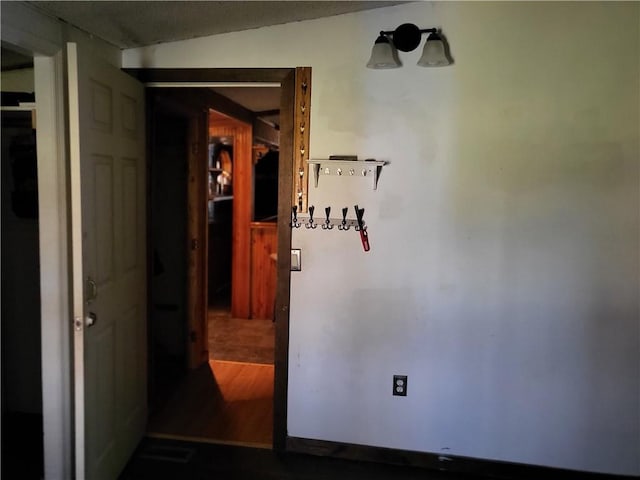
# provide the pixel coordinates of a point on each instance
(443, 463)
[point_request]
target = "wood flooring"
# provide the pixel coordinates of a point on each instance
(230, 398)
(220, 401)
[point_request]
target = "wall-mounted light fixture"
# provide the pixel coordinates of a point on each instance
(406, 38)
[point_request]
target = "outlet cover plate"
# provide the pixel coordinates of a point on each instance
(400, 385)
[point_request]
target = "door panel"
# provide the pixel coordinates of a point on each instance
(129, 217)
(100, 354)
(100, 205)
(106, 128)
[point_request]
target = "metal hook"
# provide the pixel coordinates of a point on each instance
(364, 236)
(327, 223)
(343, 226)
(359, 216)
(294, 217)
(311, 224)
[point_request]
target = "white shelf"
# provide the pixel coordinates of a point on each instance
(347, 168)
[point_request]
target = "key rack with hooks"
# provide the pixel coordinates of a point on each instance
(325, 223)
(329, 223)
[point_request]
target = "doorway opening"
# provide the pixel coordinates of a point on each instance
(22, 419)
(226, 394)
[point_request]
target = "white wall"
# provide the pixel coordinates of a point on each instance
(503, 275)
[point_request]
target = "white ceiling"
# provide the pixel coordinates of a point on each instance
(128, 24)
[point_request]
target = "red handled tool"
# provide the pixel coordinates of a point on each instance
(364, 236)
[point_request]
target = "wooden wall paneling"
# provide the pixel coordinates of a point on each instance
(242, 202)
(220, 125)
(264, 241)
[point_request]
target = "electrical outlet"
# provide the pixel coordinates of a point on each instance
(400, 385)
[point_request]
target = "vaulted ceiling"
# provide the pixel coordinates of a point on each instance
(128, 24)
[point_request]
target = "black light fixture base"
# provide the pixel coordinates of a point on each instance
(406, 37)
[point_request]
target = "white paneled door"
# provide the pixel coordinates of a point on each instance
(107, 170)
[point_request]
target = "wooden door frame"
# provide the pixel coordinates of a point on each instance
(197, 240)
(286, 77)
(224, 125)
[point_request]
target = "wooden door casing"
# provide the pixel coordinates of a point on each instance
(289, 80)
(224, 126)
(197, 233)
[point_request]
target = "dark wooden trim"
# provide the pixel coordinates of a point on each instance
(202, 324)
(265, 133)
(190, 75)
(285, 187)
(441, 462)
(199, 98)
(196, 340)
(228, 107)
(267, 113)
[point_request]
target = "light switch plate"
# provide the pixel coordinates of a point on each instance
(296, 260)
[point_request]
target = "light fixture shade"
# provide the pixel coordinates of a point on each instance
(434, 53)
(383, 54)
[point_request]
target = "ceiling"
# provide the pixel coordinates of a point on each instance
(130, 24)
